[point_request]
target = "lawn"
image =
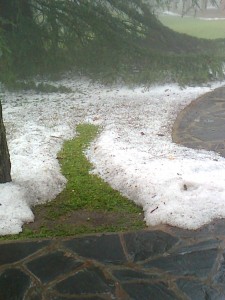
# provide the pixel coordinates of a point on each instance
(209, 29)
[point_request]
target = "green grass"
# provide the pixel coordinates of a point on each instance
(84, 190)
(213, 29)
(84, 194)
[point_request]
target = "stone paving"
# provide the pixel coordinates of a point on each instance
(161, 263)
(201, 125)
(165, 263)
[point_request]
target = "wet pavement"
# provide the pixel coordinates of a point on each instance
(164, 263)
(201, 125)
(156, 264)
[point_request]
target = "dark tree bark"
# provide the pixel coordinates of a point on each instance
(5, 165)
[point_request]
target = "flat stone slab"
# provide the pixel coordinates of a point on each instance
(143, 245)
(86, 281)
(46, 268)
(146, 291)
(14, 284)
(197, 263)
(196, 290)
(105, 248)
(14, 252)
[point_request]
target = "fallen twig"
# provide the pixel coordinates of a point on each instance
(154, 209)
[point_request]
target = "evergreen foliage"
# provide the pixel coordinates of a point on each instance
(104, 38)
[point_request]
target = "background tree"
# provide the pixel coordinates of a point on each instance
(193, 6)
(97, 37)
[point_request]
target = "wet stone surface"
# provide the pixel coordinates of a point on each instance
(130, 274)
(14, 283)
(103, 248)
(47, 267)
(201, 124)
(196, 290)
(12, 252)
(141, 246)
(169, 263)
(146, 291)
(86, 281)
(188, 264)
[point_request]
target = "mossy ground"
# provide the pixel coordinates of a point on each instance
(87, 204)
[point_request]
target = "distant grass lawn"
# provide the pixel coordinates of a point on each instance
(196, 27)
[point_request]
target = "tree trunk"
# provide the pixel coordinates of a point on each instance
(5, 165)
(204, 4)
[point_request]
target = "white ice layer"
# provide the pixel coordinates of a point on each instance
(134, 153)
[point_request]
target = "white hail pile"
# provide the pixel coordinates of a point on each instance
(134, 153)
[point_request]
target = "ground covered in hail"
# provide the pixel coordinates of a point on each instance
(134, 152)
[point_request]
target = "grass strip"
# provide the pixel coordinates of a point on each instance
(87, 204)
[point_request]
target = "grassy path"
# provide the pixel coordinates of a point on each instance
(87, 204)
